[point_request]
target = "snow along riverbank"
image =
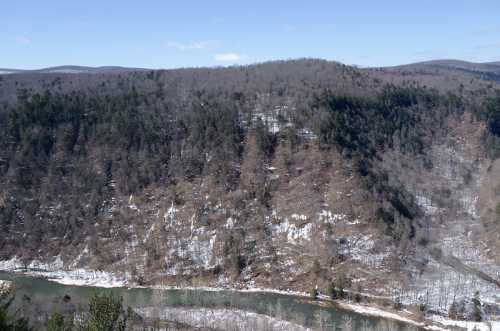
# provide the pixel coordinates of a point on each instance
(95, 278)
(219, 319)
(467, 325)
(54, 272)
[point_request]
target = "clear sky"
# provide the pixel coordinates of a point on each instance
(185, 33)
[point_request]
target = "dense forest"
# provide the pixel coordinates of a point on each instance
(82, 145)
(127, 133)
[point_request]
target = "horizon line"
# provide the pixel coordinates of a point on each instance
(141, 68)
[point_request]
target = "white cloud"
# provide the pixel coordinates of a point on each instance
(190, 46)
(229, 57)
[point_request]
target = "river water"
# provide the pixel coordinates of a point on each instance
(38, 297)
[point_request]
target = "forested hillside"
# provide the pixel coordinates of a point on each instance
(285, 174)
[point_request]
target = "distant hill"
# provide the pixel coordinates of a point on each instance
(5, 71)
(455, 64)
(71, 69)
(488, 70)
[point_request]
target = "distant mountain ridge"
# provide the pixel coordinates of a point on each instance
(493, 66)
(447, 64)
(486, 70)
(71, 69)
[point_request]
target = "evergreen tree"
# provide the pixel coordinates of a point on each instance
(341, 283)
(8, 321)
(264, 139)
(332, 293)
(105, 314)
(476, 308)
(57, 322)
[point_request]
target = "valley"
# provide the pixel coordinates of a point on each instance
(288, 175)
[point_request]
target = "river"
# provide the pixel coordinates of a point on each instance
(38, 297)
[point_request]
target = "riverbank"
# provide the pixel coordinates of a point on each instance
(54, 272)
(97, 278)
(431, 323)
(219, 319)
(467, 325)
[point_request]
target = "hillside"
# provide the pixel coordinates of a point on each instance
(285, 175)
(493, 67)
(69, 69)
(452, 69)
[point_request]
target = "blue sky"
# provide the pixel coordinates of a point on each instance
(168, 34)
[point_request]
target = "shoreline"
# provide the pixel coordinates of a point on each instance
(102, 279)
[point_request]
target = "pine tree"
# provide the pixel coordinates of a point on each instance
(10, 322)
(264, 139)
(341, 282)
(476, 307)
(332, 293)
(105, 314)
(57, 323)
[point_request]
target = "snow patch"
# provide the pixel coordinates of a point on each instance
(83, 277)
(293, 233)
(467, 325)
(299, 217)
(326, 216)
(229, 223)
(426, 204)
(198, 251)
(53, 272)
(12, 264)
(170, 214)
(219, 319)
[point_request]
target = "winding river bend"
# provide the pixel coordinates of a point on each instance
(203, 308)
